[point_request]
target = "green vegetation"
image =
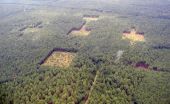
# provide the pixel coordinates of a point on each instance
(118, 81)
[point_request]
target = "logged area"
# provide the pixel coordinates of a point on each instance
(84, 52)
(133, 36)
(59, 58)
(82, 31)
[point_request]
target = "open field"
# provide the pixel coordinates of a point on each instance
(89, 18)
(96, 64)
(59, 59)
(133, 36)
(82, 31)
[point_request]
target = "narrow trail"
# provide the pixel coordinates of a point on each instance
(92, 87)
(119, 54)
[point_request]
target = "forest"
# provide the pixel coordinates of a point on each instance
(106, 68)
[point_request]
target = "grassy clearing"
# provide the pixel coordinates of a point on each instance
(31, 30)
(133, 36)
(82, 32)
(90, 19)
(59, 59)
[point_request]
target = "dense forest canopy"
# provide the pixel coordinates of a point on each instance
(106, 68)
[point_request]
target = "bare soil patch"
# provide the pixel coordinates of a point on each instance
(133, 36)
(89, 18)
(81, 31)
(59, 58)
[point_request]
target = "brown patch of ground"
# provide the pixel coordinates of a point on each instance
(82, 31)
(89, 18)
(59, 59)
(133, 36)
(31, 30)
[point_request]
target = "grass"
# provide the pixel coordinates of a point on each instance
(59, 59)
(133, 36)
(89, 19)
(31, 30)
(81, 32)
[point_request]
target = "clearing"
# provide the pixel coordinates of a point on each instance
(82, 31)
(89, 18)
(31, 30)
(60, 58)
(133, 36)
